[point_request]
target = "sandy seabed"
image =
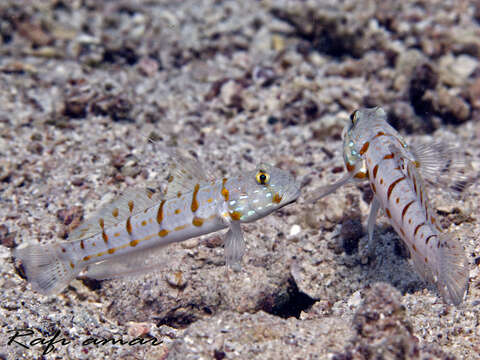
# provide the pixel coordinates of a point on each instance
(85, 84)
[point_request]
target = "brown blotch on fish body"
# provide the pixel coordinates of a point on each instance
(195, 205)
(101, 222)
(417, 228)
(414, 247)
(105, 237)
(86, 258)
(115, 212)
(381, 181)
(428, 239)
(380, 133)
(374, 189)
(277, 198)
(392, 185)
(117, 234)
(111, 251)
(209, 200)
(361, 175)
(397, 200)
(388, 156)
(160, 212)
(375, 170)
(181, 227)
(350, 168)
(364, 148)
(387, 211)
(178, 211)
(144, 223)
(170, 179)
(130, 205)
(235, 215)
(134, 243)
(426, 260)
(405, 208)
(72, 265)
(224, 191)
(82, 245)
(197, 221)
(163, 233)
(129, 226)
(179, 194)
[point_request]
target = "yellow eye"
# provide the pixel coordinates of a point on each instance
(354, 116)
(262, 177)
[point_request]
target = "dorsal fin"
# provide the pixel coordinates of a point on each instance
(441, 165)
(129, 203)
(184, 173)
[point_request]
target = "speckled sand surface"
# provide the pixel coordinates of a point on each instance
(84, 84)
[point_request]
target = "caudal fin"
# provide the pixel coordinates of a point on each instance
(46, 267)
(453, 271)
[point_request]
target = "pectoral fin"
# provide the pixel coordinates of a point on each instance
(234, 246)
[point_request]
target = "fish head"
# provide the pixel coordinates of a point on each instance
(262, 191)
(358, 132)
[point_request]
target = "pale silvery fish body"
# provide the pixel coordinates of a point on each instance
(375, 151)
(138, 222)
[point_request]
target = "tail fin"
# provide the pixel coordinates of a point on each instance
(47, 268)
(453, 271)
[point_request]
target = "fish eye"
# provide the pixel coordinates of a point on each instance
(354, 116)
(262, 177)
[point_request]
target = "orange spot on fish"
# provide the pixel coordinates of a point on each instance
(117, 234)
(111, 251)
(129, 226)
(82, 245)
(163, 233)
(235, 215)
(277, 198)
(179, 194)
(195, 205)
(388, 156)
(71, 265)
(361, 175)
(405, 208)
(224, 191)
(392, 185)
(375, 170)
(130, 205)
(181, 227)
(144, 223)
(101, 222)
(428, 239)
(387, 210)
(350, 168)
(160, 212)
(178, 211)
(86, 258)
(134, 243)
(197, 221)
(364, 148)
(417, 228)
(209, 200)
(105, 237)
(115, 212)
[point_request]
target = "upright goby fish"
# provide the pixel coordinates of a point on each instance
(139, 222)
(376, 152)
